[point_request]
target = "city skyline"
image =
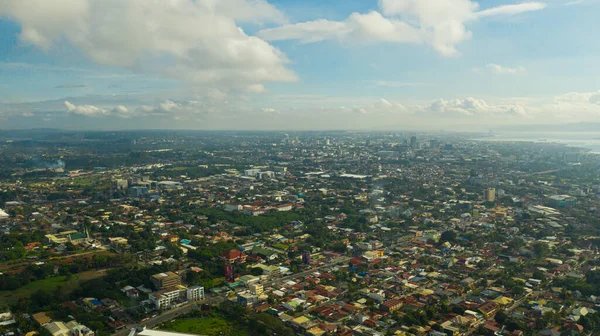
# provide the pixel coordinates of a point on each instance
(284, 64)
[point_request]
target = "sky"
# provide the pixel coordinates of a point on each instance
(298, 64)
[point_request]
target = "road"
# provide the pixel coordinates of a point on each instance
(217, 299)
(545, 172)
(280, 281)
(518, 303)
(171, 314)
(7, 266)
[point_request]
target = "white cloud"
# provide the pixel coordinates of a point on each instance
(438, 23)
(499, 69)
(382, 107)
(512, 9)
(386, 102)
(396, 83)
(85, 110)
(255, 88)
(472, 107)
(269, 110)
(575, 2)
(578, 98)
(181, 110)
(580, 105)
(169, 105)
(197, 41)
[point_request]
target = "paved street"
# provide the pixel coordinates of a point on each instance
(215, 300)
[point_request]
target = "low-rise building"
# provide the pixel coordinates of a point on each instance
(195, 293)
(167, 297)
(247, 299)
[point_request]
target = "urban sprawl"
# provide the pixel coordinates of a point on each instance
(159, 233)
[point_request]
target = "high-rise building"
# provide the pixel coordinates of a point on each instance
(434, 144)
(490, 194)
(413, 142)
(165, 280)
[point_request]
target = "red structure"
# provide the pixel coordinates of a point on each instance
(306, 257)
(229, 276)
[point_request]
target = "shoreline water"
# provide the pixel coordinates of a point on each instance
(586, 141)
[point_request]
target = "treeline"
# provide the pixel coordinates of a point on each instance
(104, 287)
(65, 267)
(251, 224)
(191, 172)
(587, 287)
(245, 321)
(138, 240)
(12, 245)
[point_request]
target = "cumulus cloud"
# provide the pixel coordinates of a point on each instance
(181, 110)
(86, 110)
(396, 83)
(381, 107)
(197, 41)
(576, 105)
(269, 110)
(255, 88)
(499, 69)
(578, 98)
(472, 107)
(441, 24)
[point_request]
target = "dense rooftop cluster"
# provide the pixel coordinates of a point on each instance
(308, 233)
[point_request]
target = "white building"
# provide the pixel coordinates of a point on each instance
(265, 175)
(251, 172)
(3, 214)
(233, 207)
(166, 297)
(150, 332)
(195, 293)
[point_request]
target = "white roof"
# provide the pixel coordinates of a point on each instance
(150, 332)
(3, 214)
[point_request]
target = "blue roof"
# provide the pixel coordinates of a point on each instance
(185, 241)
(96, 302)
(457, 301)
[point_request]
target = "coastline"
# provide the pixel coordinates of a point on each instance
(589, 145)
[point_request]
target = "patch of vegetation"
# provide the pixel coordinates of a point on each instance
(204, 326)
(66, 282)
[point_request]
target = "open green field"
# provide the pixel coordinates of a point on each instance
(50, 284)
(204, 326)
(281, 246)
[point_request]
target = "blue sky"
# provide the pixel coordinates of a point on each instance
(288, 64)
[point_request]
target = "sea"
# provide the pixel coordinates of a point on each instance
(586, 140)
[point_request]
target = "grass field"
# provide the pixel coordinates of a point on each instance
(281, 246)
(49, 284)
(204, 326)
